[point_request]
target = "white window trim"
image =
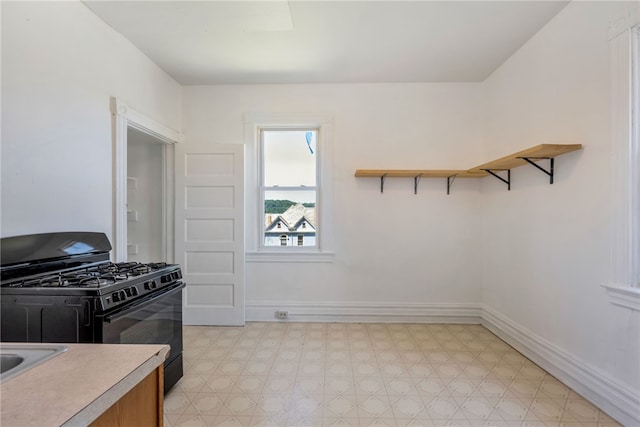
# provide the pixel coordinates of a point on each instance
(255, 252)
(263, 189)
(623, 288)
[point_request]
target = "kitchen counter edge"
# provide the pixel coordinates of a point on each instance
(118, 368)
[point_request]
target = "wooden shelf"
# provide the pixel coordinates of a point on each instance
(408, 173)
(539, 152)
(528, 156)
(542, 151)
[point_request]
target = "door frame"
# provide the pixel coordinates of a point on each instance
(122, 118)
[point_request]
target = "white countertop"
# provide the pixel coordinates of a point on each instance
(77, 386)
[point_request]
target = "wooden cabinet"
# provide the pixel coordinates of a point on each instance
(142, 406)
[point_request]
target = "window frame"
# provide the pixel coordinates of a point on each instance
(254, 234)
(264, 188)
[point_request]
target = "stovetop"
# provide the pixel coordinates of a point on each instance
(100, 275)
(108, 285)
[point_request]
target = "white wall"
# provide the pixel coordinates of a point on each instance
(60, 66)
(547, 246)
(392, 248)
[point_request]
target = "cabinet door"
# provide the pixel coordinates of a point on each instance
(142, 406)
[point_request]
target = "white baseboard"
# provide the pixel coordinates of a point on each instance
(264, 311)
(615, 399)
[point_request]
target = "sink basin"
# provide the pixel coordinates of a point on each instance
(9, 361)
(18, 358)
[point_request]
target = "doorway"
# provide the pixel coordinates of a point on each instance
(146, 198)
(143, 187)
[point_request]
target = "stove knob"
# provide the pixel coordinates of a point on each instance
(150, 285)
(119, 296)
(131, 292)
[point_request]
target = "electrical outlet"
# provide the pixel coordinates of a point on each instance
(282, 315)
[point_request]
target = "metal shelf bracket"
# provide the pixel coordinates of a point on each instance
(416, 180)
(382, 183)
(506, 181)
(450, 180)
(548, 172)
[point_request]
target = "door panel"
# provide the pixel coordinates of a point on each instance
(210, 232)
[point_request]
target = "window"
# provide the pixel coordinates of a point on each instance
(289, 157)
(289, 183)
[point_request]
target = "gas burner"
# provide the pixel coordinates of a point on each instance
(136, 268)
(130, 269)
(65, 281)
(133, 268)
(92, 279)
(52, 281)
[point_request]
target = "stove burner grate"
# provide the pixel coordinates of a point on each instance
(89, 277)
(64, 281)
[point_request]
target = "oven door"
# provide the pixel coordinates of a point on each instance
(154, 319)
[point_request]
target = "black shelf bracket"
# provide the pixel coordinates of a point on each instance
(450, 180)
(382, 183)
(506, 181)
(532, 163)
(416, 180)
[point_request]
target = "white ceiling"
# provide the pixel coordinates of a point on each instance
(301, 41)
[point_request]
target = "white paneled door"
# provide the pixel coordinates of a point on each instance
(210, 232)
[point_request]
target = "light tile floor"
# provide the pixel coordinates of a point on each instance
(336, 374)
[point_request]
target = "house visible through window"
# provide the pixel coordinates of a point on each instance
(289, 186)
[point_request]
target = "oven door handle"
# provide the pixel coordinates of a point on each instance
(112, 317)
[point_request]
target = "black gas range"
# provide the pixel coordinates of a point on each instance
(61, 287)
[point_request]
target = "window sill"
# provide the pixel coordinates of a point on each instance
(289, 256)
(624, 296)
